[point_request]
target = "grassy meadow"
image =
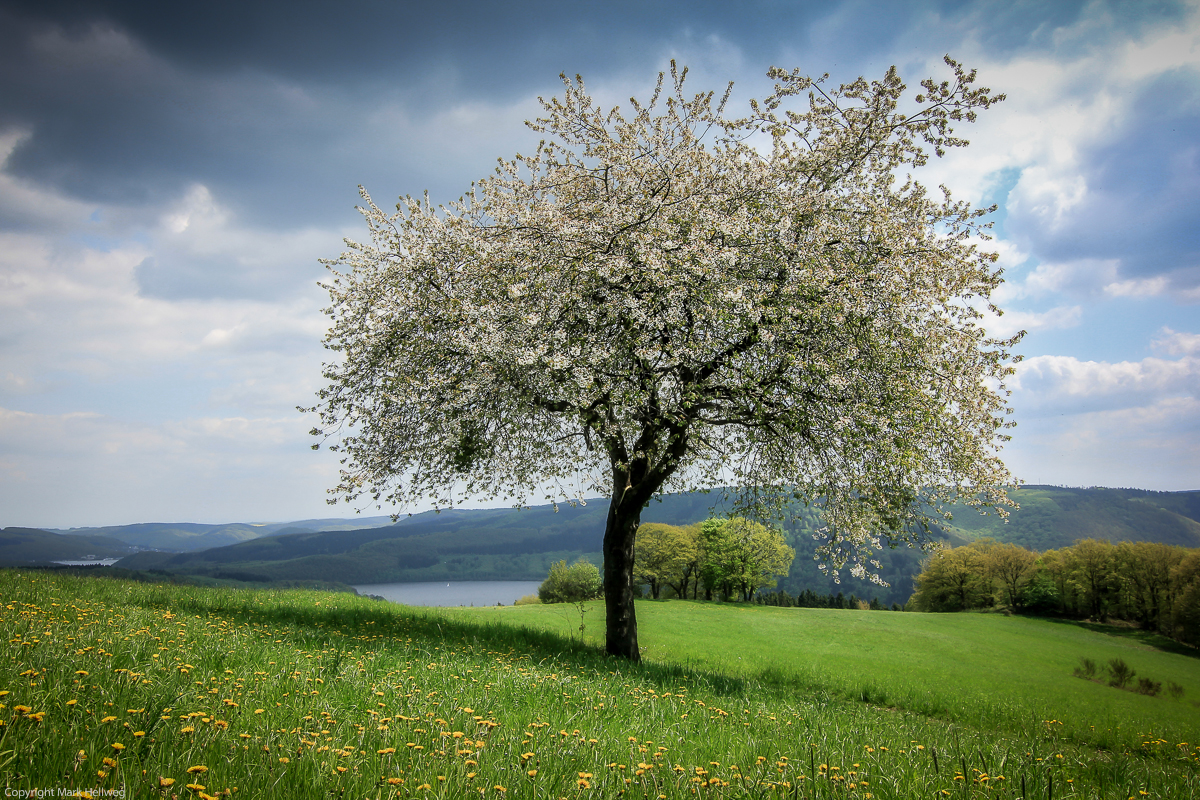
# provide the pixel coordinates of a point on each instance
(984, 670)
(167, 691)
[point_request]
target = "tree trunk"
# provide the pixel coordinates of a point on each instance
(619, 535)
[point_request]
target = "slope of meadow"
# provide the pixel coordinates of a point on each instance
(985, 670)
(167, 691)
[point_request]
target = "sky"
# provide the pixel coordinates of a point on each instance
(171, 175)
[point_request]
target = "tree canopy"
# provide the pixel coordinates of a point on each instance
(666, 297)
(742, 556)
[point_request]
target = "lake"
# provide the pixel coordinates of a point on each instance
(462, 593)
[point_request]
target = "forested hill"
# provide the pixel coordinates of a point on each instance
(184, 536)
(1051, 517)
(515, 544)
(487, 544)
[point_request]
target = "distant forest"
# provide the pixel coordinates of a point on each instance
(521, 544)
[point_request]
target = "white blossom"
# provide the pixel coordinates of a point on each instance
(648, 303)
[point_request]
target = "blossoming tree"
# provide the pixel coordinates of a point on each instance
(668, 298)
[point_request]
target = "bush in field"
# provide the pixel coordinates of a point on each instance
(573, 584)
(1120, 673)
(527, 600)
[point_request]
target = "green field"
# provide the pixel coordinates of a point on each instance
(115, 685)
(978, 669)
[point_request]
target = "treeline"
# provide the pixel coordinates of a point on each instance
(810, 599)
(1154, 585)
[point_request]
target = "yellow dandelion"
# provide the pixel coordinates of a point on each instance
(117, 746)
(197, 770)
(166, 783)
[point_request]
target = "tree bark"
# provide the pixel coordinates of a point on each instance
(620, 533)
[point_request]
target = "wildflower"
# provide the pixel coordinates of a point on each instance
(197, 770)
(531, 773)
(387, 751)
(166, 783)
(117, 746)
(285, 760)
(196, 787)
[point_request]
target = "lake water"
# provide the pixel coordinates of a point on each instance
(103, 562)
(463, 593)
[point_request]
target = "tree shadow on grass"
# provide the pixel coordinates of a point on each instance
(1148, 639)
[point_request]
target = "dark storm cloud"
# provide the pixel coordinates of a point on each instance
(280, 108)
(1143, 193)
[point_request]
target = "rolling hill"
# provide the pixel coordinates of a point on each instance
(186, 536)
(25, 546)
(520, 544)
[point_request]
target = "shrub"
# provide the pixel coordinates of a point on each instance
(1086, 668)
(527, 600)
(1120, 673)
(1148, 687)
(573, 584)
(1174, 689)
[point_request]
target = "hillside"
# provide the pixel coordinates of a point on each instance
(309, 695)
(487, 544)
(27, 546)
(187, 536)
(520, 544)
(1051, 517)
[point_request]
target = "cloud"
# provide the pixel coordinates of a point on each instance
(1156, 445)
(1013, 321)
(111, 471)
(1177, 343)
(1116, 184)
(1064, 384)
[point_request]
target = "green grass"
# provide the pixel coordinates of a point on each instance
(977, 669)
(363, 699)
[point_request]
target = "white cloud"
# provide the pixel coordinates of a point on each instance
(1066, 384)
(1012, 321)
(1154, 445)
(62, 470)
(1177, 343)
